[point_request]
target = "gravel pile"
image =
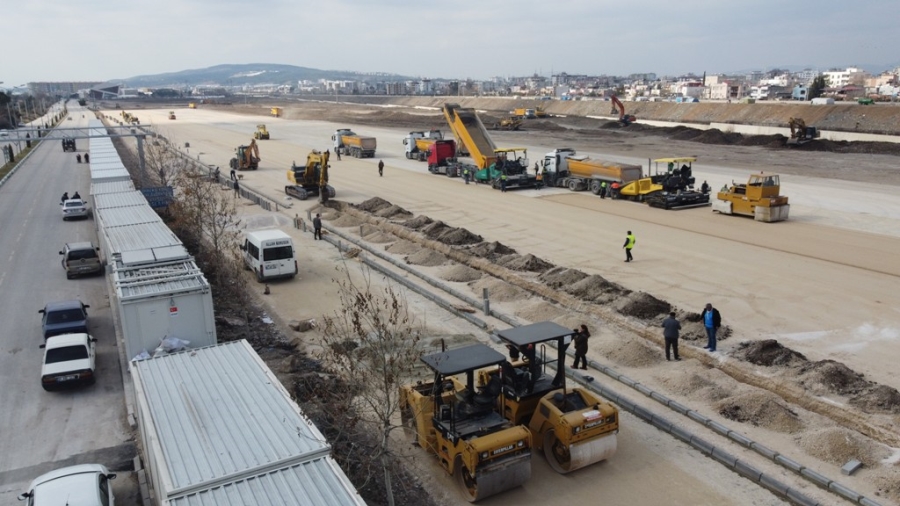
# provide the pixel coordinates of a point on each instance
(498, 290)
(761, 409)
(540, 311)
(345, 220)
(402, 247)
(426, 258)
(837, 445)
(460, 273)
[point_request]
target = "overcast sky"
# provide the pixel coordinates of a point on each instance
(86, 40)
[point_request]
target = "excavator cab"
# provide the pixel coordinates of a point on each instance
(574, 427)
(310, 179)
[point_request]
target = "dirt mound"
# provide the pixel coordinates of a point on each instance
(396, 212)
(434, 229)
(418, 222)
(686, 384)
(491, 250)
(768, 352)
(373, 205)
(559, 277)
(609, 125)
(426, 258)
(828, 376)
(373, 234)
(529, 263)
(644, 306)
(878, 398)
(457, 237)
(837, 445)
(540, 311)
(628, 353)
(345, 220)
(761, 409)
(460, 273)
(403, 248)
(595, 289)
(498, 290)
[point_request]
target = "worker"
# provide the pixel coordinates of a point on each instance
(233, 177)
(87, 158)
(216, 175)
(539, 179)
(76, 196)
(671, 328)
(65, 197)
(503, 182)
(536, 169)
(337, 151)
(380, 168)
(629, 245)
(724, 188)
(704, 188)
(466, 174)
(317, 227)
(237, 188)
(78, 158)
(603, 188)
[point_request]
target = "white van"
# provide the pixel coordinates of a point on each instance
(269, 254)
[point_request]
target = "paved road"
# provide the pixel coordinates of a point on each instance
(41, 430)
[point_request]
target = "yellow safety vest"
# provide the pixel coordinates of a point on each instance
(630, 239)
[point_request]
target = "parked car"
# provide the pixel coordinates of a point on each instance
(74, 208)
(69, 360)
(64, 317)
(86, 484)
(81, 258)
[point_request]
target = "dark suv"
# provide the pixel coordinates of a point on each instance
(64, 317)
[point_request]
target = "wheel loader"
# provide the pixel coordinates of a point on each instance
(460, 425)
(573, 427)
(759, 198)
(261, 132)
(310, 180)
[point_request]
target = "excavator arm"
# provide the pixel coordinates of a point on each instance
(618, 107)
(798, 127)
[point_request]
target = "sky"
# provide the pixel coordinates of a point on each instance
(93, 40)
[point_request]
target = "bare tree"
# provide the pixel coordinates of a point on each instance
(163, 164)
(371, 345)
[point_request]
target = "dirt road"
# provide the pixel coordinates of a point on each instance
(823, 283)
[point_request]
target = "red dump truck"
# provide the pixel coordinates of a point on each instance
(563, 168)
(348, 143)
(442, 159)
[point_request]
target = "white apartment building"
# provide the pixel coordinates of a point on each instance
(850, 76)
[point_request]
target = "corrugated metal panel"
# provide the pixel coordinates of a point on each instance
(219, 413)
(140, 237)
(106, 164)
(171, 278)
(110, 175)
(319, 482)
(126, 216)
(111, 187)
(120, 199)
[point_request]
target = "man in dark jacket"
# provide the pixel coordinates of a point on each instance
(581, 347)
(380, 168)
(317, 227)
(671, 328)
(712, 320)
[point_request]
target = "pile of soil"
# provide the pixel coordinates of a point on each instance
(491, 251)
(455, 237)
(837, 445)
(498, 290)
(686, 384)
(760, 409)
(828, 376)
(878, 398)
(594, 289)
(426, 258)
(395, 212)
(373, 205)
(379, 237)
(644, 306)
(460, 273)
(540, 311)
(559, 277)
(345, 220)
(434, 229)
(768, 353)
(402, 247)
(528, 263)
(628, 352)
(418, 222)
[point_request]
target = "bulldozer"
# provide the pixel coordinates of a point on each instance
(261, 132)
(246, 157)
(310, 180)
(487, 453)
(800, 133)
(508, 123)
(572, 426)
(171, 114)
(759, 198)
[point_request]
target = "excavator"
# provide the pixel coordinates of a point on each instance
(246, 157)
(310, 180)
(619, 108)
(572, 426)
(800, 133)
(459, 424)
(261, 132)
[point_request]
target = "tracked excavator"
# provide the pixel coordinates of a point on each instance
(619, 108)
(246, 157)
(572, 426)
(310, 180)
(800, 133)
(458, 423)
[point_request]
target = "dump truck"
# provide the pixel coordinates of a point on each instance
(671, 189)
(171, 114)
(276, 111)
(759, 198)
(471, 134)
(442, 159)
(418, 143)
(261, 132)
(574, 427)
(68, 144)
(460, 425)
(346, 142)
(540, 113)
(246, 157)
(523, 113)
(310, 180)
(563, 168)
(192, 105)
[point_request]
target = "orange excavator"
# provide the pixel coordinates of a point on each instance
(246, 157)
(618, 108)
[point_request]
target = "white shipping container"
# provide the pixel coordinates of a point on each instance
(822, 101)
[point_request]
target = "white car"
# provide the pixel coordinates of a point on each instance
(74, 208)
(87, 484)
(69, 360)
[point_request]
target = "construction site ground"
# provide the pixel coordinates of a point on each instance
(822, 285)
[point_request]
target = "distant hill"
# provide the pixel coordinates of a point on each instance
(249, 74)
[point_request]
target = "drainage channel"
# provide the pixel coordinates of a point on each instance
(706, 447)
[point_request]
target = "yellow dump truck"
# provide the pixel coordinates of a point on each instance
(524, 113)
(563, 168)
(192, 105)
(276, 111)
(346, 142)
(419, 143)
